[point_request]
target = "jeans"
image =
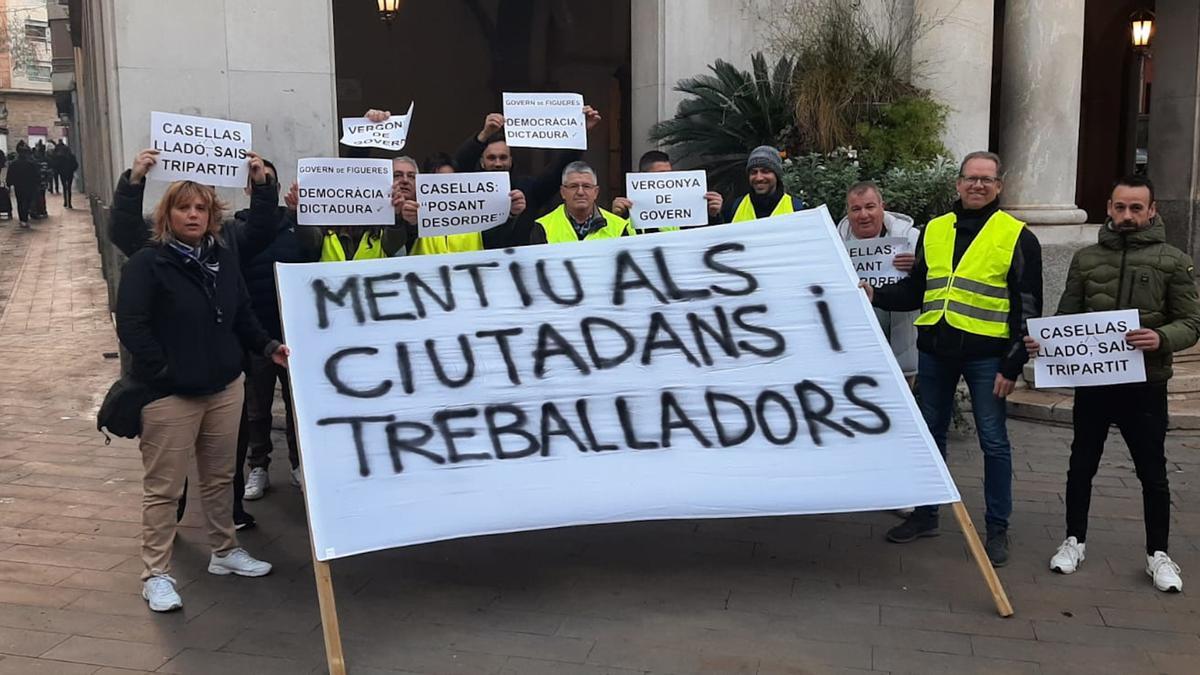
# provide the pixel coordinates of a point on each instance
(937, 380)
(1140, 412)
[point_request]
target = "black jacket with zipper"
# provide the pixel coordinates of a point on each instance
(184, 338)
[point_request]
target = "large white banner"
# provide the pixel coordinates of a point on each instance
(1081, 350)
(201, 149)
(339, 191)
(667, 199)
(461, 203)
(727, 371)
(544, 121)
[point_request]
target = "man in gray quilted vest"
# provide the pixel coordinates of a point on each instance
(1131, 267)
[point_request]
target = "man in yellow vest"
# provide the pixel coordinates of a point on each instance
(578, 218)
(337, 244)
(977, 278)
(767, 197)
(657, 161)
(497, 237)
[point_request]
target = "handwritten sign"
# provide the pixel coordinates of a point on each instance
(544, 121)
(1080, 350)
(872, 258)
(736, 371)
(667, 199)
(390, 134)
(335, 191)
(200, 149)
(459, 203)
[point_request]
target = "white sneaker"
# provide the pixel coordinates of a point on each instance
(238, 562)
(297, 478)
(1164, 572)
(159, 592)
(256, 484)
(1070, 554)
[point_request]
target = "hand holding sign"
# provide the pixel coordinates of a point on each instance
(141, 165)
(258, 170)
(492, 124)
(335, 191)
(904, 262)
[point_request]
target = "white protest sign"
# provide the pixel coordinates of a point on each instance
(545, 121)
(1080, 350)
(460, 203)
(336, 191)
(872, 258)
(201, 149)
(667, 199)
(726, 371)
(390, 134)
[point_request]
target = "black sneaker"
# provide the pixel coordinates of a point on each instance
(997, 545)
(919, 524)
(243, 521)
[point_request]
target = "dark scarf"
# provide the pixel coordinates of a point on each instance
(204, 258)
(764, 205)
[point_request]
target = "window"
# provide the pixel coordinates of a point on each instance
(37, 30)
(39, 71)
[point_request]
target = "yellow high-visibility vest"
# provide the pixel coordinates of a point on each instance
(368, 247)
(972, 296)
(745, 209)
(448, 243)
(558, 227)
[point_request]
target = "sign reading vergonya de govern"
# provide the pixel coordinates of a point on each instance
(461, 203)
(726, 371)
(337, 191)
(667, 199)
(201, 149)
(1079, 350)
(390, 134)
(544, 121)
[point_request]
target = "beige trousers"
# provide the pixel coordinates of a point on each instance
(173, 429)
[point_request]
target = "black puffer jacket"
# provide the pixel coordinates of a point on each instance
(184, 339)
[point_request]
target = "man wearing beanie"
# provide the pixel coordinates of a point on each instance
(766, 198)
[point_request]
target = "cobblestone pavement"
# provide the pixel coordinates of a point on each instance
(767, 596)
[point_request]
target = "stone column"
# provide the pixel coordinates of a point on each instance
(954, 61)
(1175, 121)
(1041, 80)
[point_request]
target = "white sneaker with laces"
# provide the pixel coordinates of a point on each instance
(238, 562)
(297, 478)
(1070, 554)
(159, 592)
(1164, 572)
(256, 484)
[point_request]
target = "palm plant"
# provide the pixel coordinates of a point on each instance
(729, 112)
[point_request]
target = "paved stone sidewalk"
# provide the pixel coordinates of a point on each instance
(764, 596)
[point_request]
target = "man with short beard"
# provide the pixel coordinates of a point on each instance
(764, 171)
(1131, 267)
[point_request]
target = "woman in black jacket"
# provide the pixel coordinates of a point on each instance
(184, 315)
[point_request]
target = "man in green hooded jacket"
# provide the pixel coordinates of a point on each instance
(1132, 267)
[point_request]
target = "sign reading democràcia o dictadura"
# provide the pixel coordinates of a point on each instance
(337, 191)
(544, 121)
(201, 149)
(1079, 350)
(719, 371)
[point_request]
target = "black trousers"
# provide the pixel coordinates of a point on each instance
(67, 179)
(25, 198)
(1140, 413)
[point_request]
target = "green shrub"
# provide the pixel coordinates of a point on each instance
(918, 189)
(909, 130)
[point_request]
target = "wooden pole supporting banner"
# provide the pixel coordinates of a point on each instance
(1003, 607)
(329, 618)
